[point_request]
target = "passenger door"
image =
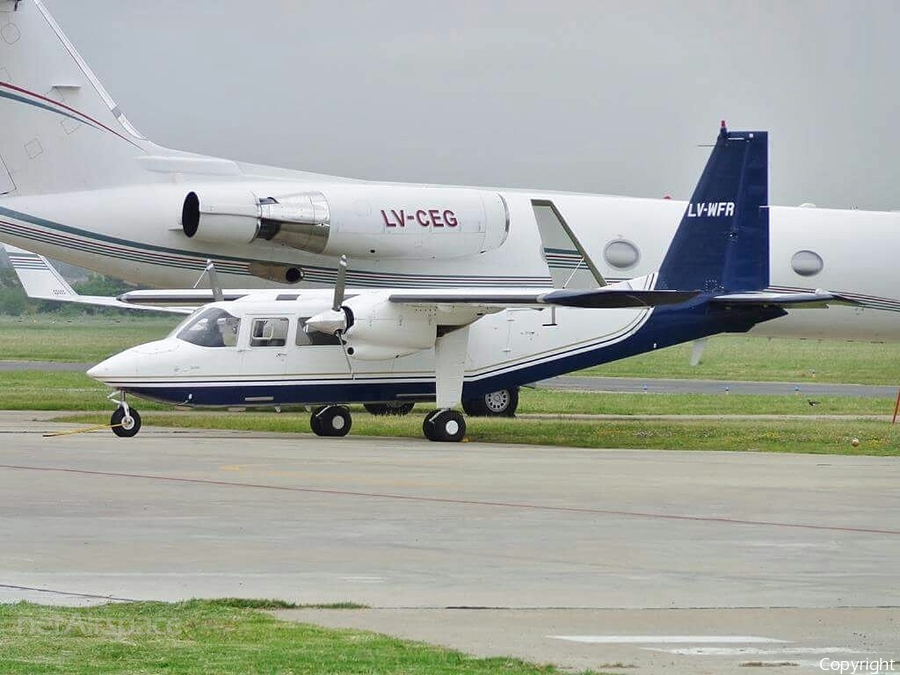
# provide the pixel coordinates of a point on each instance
(265, 351)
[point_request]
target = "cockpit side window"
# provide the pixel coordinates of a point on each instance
(212, 327)
(268, 332)
(313, 338)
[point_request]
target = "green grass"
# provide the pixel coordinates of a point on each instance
(81, 339)
(731, 357)
(822, 436)
(539, 401)
(39, 390)
(214, 638)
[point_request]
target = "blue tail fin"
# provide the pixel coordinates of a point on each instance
(722, 244)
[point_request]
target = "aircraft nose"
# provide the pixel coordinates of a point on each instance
(115, 367)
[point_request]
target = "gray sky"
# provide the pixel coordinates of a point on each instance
(590, 96)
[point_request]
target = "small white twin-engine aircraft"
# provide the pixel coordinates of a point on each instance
(273, 348)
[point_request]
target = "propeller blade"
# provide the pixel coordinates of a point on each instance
(218, 293)
(339, 284)
(210, 271)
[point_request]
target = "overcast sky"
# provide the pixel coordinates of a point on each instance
(591, 96)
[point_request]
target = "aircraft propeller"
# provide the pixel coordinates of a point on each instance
(336, 320)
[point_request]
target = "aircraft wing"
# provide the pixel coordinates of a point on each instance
(42, 281)
(192, 297)
(606, 297)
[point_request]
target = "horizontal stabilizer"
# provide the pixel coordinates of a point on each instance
(818, 298)
(42, 281)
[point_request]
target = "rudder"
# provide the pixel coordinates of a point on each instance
(722, 243)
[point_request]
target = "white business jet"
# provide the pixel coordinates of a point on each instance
(404, 345)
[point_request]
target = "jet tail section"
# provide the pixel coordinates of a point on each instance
(722, 244)
(59, 129)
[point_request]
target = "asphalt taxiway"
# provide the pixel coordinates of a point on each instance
(586, 558)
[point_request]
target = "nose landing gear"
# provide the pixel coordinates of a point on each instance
(125, 421)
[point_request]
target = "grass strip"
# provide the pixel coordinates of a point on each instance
(211, 637)
(85, 338)
(741, 358)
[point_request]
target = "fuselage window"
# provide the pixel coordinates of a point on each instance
(269, 332)
(313, 338)
(212, 327)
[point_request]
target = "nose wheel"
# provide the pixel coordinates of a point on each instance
(444, 426)
(331, 420)
(125, 422)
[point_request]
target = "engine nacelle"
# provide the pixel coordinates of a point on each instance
(379, 329)
(361, 221)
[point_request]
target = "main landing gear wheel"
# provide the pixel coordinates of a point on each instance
(500, 403)
(125, 424)
(331, 420)
(392, 408)
(444, 426)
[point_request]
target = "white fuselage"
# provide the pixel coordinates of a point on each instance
(135, 233)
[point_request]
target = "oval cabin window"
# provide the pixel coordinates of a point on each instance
(621, 254)
(807, 263)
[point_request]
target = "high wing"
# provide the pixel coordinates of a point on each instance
(186, 297)
(42, 281)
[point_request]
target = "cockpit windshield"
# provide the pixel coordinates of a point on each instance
(212, 327)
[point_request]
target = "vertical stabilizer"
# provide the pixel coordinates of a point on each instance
(59, 129)
(722, 244)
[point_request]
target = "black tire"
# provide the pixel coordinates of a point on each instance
(500, 403)
(125, 427)
(393, 408)
(444, 426)
(314, 423)
(332, 420)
